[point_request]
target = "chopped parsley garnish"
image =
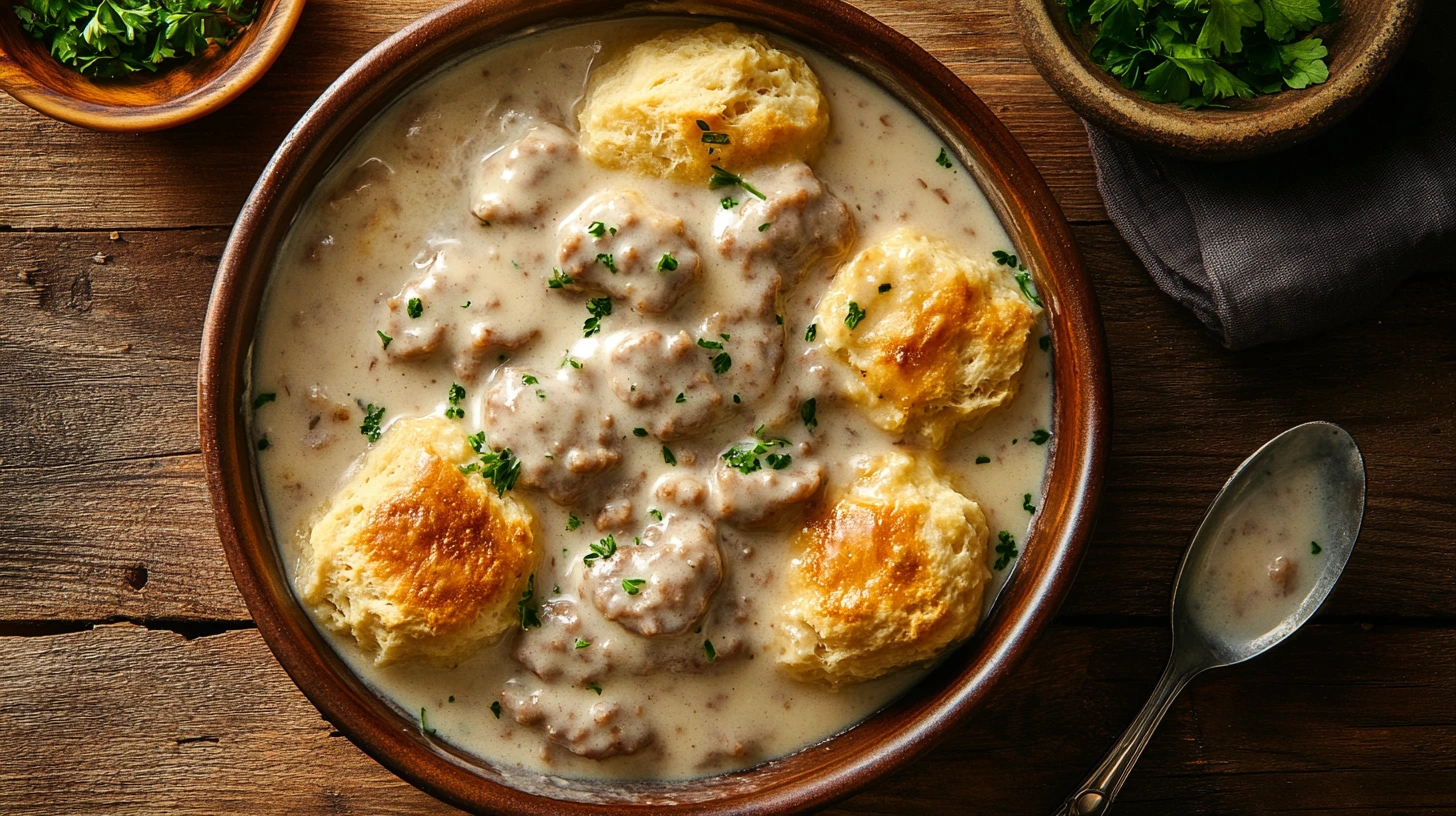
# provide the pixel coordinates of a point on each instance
(853, 316)
(465, 305)
(606, 548)
(709, 344)
(1026, 503)
(680, 398)
(457, 393)
(633, 586)
(639, 432)
(1314, 548)
(595, 687)
(666, 263)
(596, 229)
(668, 457)
(655, 513)
(778, 461)
(568, 360)
(501, 467)
(582, 644)
(370, 426)
(764, 226)
(737, 399)
(983, 460)
(559, 279)
(384, 338)
(722, 362)
(729, 202)
(1006, 550)
(723, 178)
(708, 650)
(415, 307)
(744, 457)
(526, 609)
(811, 332)
(711, 136)
(530, 379)
(1045, 342)
(452, 698)
(1023, 279)
(263, 399)
(423, 726)
(495, 709)
(1040, 436)
(807, 410)
(263, 443)
(598, 308)
(778, 320)
(943, 159)
(606, 260)
(1006, 258)
(884, 287)
(572, 522)
(541, 394)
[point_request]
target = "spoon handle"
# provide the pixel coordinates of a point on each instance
(1094, 797)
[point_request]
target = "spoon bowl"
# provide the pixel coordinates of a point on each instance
(1268, 552)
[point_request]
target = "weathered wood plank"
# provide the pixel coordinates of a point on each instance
(125, 720)
(1186, 412)
(56, 175)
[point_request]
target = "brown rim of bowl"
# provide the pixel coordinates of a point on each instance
(1248, 130)
(812, 777)
(183, 93)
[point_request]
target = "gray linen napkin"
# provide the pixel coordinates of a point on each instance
(1287, 245)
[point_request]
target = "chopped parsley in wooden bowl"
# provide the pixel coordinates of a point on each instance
(138, 65)
(1214, 79)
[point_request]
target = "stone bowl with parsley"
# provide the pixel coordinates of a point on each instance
(1215, 80)
(138, 65)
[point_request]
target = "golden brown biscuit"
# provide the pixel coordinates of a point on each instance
(642, 110)
(888, 575)
(939, 339)
(412, 557)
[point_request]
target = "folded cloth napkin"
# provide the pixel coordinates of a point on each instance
(1290, 244)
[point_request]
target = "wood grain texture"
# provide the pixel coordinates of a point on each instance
(54, 175)
(125, 720)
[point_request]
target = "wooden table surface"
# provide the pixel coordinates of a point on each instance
(132, 681)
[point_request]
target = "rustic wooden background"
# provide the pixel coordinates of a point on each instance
(132, 681)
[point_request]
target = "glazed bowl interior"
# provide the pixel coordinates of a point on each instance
(814, 776)
(1364, 44)
(143, 101)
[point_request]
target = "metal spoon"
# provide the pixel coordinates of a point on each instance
(1199, 644)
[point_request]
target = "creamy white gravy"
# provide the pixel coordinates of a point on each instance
(392, 220)
(1267, 557)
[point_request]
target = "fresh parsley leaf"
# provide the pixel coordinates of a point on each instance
(501, 468)
(633, 586)
(666, 263)
(384, 338)
(1045, 342)
(1315, 548)
(667, 456)
(807, 410)
(764, 226)
(456, 394)
(572, 522)
(1026, 503)
(526, 608)
(263, 399)
(1223, 28)
(415, 307)
(1023, 279)
(596, 229)
(723, 178)
(722, 362)
(853, 315)
(728, 202)
(811, 332)
(983, 460)
(263, 443)
(595, 687)
(1040, 436)
(944, 159)
(680, 398)
(639, 432)
(606, 260)
(709, 651)
(598, 308)
(370, 426)
(1006, 550)
(655, 513)
(559, 279)
(495, 708)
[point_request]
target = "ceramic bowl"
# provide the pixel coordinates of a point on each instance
(174, 96)
(814, 776)
(1364, 44)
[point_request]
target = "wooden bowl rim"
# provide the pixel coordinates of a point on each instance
(275, 24)
(1216, 135)
(817, 775)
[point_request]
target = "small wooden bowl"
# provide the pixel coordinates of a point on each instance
(1364, 43)
(811, 777)
(145, 101)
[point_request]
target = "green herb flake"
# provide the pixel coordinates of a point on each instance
(1026, 503)
(943, 159)
(633, 586)
(722, 362)
(415, 307)
(606, 260)
(668, 457)
(728, 202)
(1315, 548)
(723, 178)
(465, 305)
(983, 460)
(606, 548)
(596, 229)
(501, 468)
(853, 316)
(263, 443)
(424, 726)
(530, 379)
(778, 461)
(1045, 342)
(639, 432)
(1023, 279)
(883, 288)
(495, 708)
(1040, 436)
(666, 263)
(709, 651)
(572, 522)
(764, 226)
(452, 698)
(737, 399)
(680, 398)
(595, 687)
(559, 279)
(709, 344)
(655, 513)
(811, 332)
(456, 394)
(598, 308)
(716, 138)
(526, 609)
(263, 399)
(1005, 258)
(370, 426)
(1005, 550)
(807, 412)
(582, 644)
(384, 339)
(744, 457)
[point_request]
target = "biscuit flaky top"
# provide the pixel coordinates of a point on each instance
(887, 575)
(645, 110)
(938, 338)
(412, 557)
